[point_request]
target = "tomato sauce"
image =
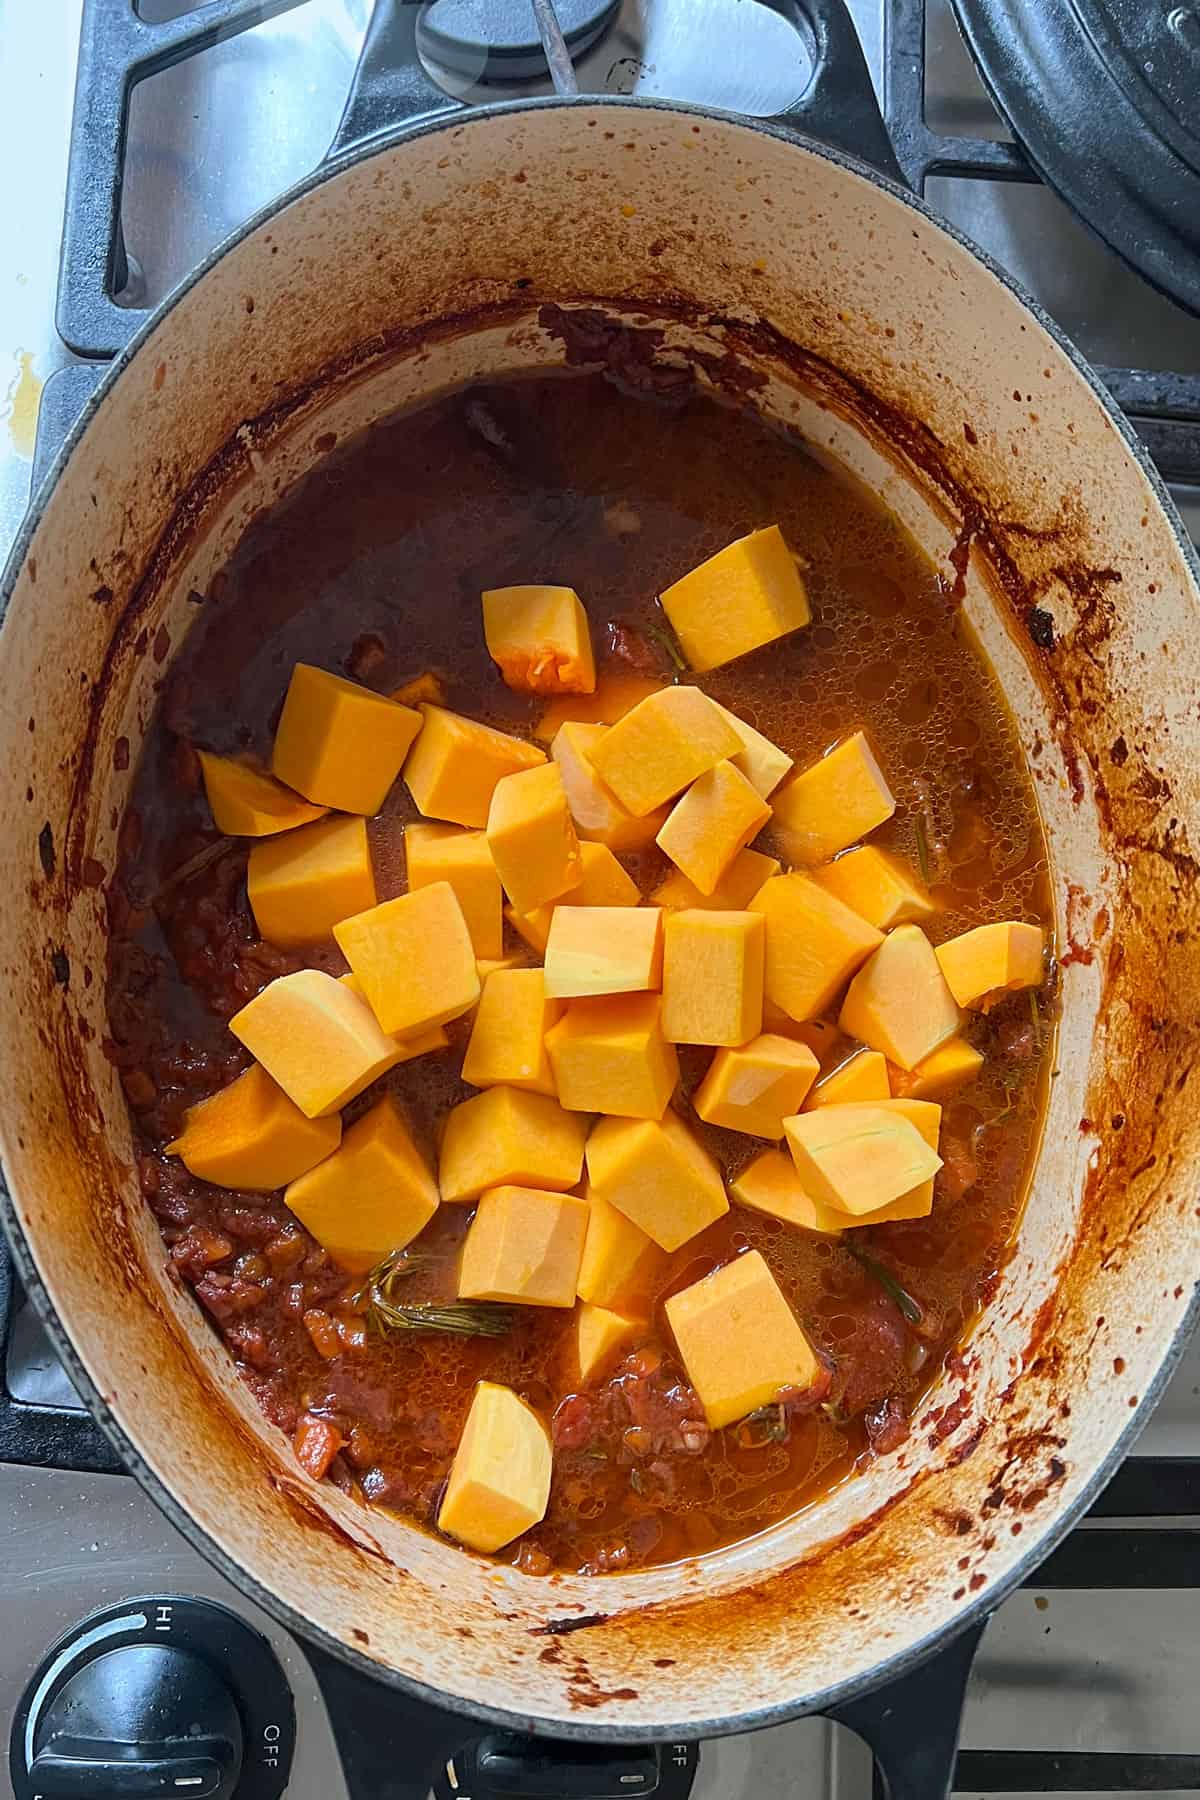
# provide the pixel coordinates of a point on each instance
(373, 566)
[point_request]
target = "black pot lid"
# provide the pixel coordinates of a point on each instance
(1104, 98)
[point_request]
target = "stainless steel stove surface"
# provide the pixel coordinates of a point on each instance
(1085, 1681)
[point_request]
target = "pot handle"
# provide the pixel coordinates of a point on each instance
(838, 106)
(911, 1725)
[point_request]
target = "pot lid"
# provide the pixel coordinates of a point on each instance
(497, 40)
(1104, 98)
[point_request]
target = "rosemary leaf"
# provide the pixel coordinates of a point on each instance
(1035, 1012)
(446, 1318)
(193, 866)
(922, 831)
(910, 1308)
(635, 1480)
(666, 640)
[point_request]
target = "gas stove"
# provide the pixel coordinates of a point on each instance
(1085, 1680)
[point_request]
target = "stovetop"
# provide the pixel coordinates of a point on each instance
(1086, 1680)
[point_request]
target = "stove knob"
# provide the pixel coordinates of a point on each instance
(145, 1720)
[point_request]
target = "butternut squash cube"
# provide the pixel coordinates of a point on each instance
(657, 1174)
(370, 1197)
(739, 1340)
(407, 1048)
(656, 750)
(878, 886)
(818, 1034)
(763, 763)
(487, 965)
(771, 1185)
(539, 636)
(748, 871)
(524, 1245)
(500, 1479)
(603, 950)
(952, 1065)
(747, 595)
(982, 965)
(456, 762)
(862, 1077)
(598, 814)
(615, 695)
(507, 1045)
(926, 1117)
(446, 853)
(609, 1055)
(715, 819)
(532, 838)
(899, 1002)
(598, 1339)
(247, 802)
(755, 1088)
(339, 744)
(834, 803)
(249, 1135)
(414, 958)
(504, 1137)
(712, 976)
(858, 1158)
(427, 686)
(603, 883)
(621, 1265)
(814, 944)
(320, 1042)
(304, 883)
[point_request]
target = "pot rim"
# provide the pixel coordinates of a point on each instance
(962, 1617)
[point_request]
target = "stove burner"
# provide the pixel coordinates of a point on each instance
(497, 40)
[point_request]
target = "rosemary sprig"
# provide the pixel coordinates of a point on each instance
(910, 1308)
(665, 638)
(922, 831)
(768, 1425)
(1035, 1012)
(211, 853)
(447, 1318)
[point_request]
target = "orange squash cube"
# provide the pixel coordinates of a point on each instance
(609, 1055)
(539, 637)
(455, 764)
(862, 1077)
(657, 1174)
(763, 763)
(603, 883)
(603, 950)
(621, 1265)
(500, 1479)
(878, 886)
(598, 1339)
(710, 823)
(414, 959)
(656, 750)
(598, 814)
(831, 805)
(249, 1135)
(739, 1340)
(508, 1037)
(749, 871)
(304, 883)
(447, 853)
(524, 1245)
(247, 802)
(981, 966)
(747, 595)
(339, 744)
(771, 1185)
(712, 976)
(899, 1001)
(407, 1048)
(814, 944)
(426, 686)
(755, 1088)
(952, 1065)
(615, 695)
(532, 837)
(504, 1137)
(320, 1042)
(858, 1158)
(372, 1196)
(926, 1117)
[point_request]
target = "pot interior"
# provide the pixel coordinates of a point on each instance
(428, 264)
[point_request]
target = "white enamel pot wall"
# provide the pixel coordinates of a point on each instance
(431, 258)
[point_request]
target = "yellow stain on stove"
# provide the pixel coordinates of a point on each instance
(24, 393)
